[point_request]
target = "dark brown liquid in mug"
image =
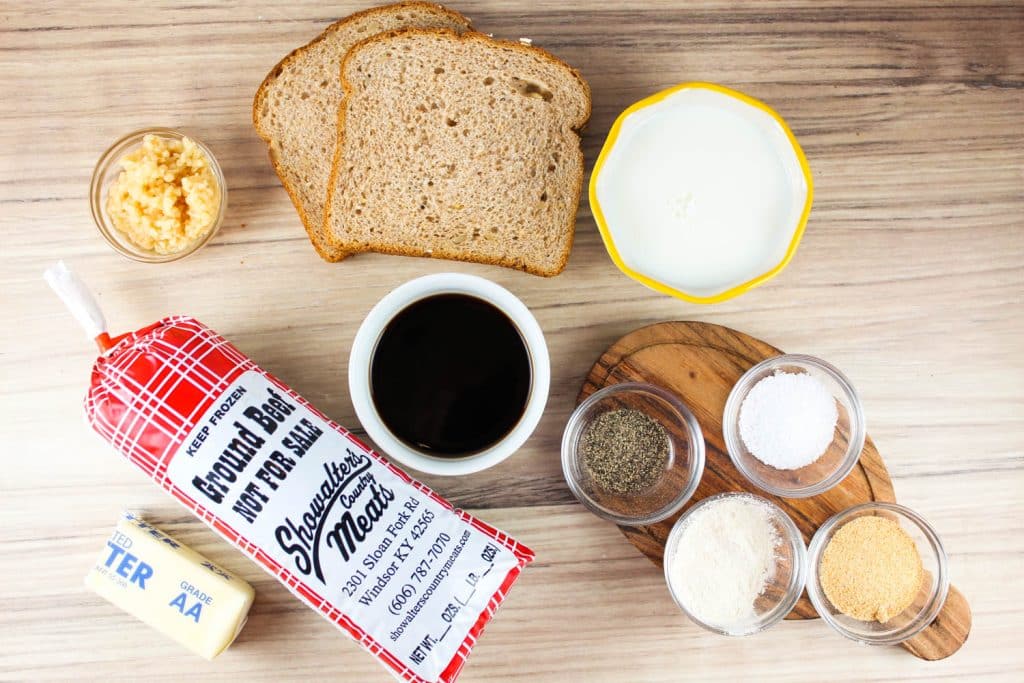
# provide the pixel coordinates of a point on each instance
(450, 375)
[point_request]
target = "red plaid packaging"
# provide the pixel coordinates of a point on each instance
(380, 555)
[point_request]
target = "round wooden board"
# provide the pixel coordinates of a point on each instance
(700, 363)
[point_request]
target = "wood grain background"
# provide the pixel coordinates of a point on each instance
(910, 279)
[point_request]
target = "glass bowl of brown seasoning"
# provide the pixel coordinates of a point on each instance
(632, 453)
(877, 573)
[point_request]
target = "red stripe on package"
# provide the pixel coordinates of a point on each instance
(380, 555)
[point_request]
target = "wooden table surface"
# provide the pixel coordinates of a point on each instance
(910, 278)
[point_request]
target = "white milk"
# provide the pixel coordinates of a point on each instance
(701, 192)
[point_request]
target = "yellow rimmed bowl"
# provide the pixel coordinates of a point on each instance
(616, 232)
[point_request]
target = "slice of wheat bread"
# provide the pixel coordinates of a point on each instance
(460, 147)
(295, 108)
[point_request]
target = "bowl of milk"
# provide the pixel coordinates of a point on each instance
(701, 192)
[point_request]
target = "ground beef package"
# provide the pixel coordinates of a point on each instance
(377, 553)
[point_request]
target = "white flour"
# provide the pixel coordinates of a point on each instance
(725, 558)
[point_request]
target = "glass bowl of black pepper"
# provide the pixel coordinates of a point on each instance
(632, 453)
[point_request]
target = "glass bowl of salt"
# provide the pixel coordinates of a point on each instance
(794, 426)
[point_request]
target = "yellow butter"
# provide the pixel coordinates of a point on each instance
(171, 587)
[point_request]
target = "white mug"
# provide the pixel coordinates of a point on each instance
(365, 344)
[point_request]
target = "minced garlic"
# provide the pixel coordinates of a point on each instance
(166, 197)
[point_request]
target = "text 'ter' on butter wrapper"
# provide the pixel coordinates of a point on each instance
(171, 587)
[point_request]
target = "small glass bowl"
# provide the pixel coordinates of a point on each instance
(833, 465)
(106, 172)
(783, 589)
(926, 605)
(683, 469)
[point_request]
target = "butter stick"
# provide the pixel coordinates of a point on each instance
(171, 587)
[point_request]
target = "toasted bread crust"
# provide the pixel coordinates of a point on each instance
(442, 253)
(328, 251)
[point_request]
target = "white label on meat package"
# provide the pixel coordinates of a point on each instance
(404, 568)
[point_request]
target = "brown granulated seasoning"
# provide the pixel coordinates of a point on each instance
(871, 569)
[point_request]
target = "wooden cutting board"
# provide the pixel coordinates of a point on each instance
(700, 363)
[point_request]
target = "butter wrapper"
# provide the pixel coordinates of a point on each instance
(171, 587)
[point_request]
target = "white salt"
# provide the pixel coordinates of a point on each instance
(725, 558)
(788, 420)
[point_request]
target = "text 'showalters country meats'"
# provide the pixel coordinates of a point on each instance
(379, 554)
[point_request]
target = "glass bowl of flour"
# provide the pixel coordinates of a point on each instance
(735, 564)
(794, 426)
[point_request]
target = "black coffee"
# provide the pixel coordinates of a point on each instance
(450, 375)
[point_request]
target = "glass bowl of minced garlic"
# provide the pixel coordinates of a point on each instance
(878, 573)
(158, 195)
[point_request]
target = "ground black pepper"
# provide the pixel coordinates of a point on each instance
(624, 451)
